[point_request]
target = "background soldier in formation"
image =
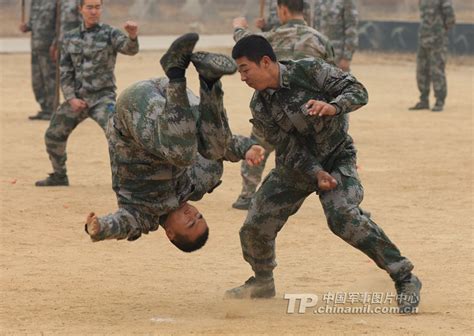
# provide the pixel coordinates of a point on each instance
(292, 39)
(69, 19)
(42, 24)
(338, 20)
(167, 147)
(437, 18)
(301, 108)
(88, 59)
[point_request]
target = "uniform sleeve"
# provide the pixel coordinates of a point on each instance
(123, 44)
(240, 33)
(351, 21)
(33, 13)
(347, 92)
(290, 152)
(448, 14)
(237, 147)
(67, 74)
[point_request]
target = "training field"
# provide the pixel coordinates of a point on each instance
(416, 168)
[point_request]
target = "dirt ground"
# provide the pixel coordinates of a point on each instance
(416, 168)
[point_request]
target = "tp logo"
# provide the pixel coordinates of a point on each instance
(305, 300)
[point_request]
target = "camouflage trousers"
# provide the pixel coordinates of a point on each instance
(43, 78)
(430, 65)
(252, 175)
(65, 120)
(282, 194)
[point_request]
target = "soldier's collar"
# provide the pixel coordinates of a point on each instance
(293, 22)
(284, 79)
(83, 28)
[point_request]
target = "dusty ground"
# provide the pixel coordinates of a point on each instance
(416, 168)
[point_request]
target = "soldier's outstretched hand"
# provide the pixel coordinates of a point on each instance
(131, 28)
(255, 155)
(240, 22)
(320, 108)
(325, 181)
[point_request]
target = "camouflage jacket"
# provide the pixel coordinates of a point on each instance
(88, 59)
(338, 20)
(295, 40)
(273, 21)
(153, 146)
(437, 17)
(307, 144)
(42, 24)
(70, 18)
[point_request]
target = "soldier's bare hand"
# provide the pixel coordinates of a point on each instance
(344, 65)
(53, 52)
(131, 28)
(255, 155)
(23, 27)
(77, 105)
(325, 181)
(320, 108)
(260, 23)
(240, 22)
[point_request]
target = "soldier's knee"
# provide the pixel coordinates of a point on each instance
(346, 222)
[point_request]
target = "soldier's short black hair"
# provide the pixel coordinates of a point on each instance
(294, 6)
(190, 246)
(254, 47)
(81, 3)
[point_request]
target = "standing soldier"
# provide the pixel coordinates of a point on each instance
(437, 18)
(293, 39)
(43, 72)
(338, 20)
(301, 108)
(88, 59)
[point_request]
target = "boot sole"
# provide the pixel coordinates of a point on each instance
(216, 63)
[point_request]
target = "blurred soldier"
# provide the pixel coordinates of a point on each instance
(42, 24)
(69, 19)
(338, 20)
(273, 21)
(301, 108)
(88, 59)
(166, 148)
(437, 18)
(293, 39)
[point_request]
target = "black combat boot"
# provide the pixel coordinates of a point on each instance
(253, 288)
(408, 294)
(421, 105)
(213, 66)
(53, 180)
(176, 59)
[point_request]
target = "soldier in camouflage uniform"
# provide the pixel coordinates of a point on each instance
(338, 20)
(167, 147)
(273, 21)
(301, 108)
(293, 39)
(69, 19)
(437, 18)
(43, 71)
(88, 60)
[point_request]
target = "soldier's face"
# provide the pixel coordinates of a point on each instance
(186, 221)
(257, 76)
(91, 12)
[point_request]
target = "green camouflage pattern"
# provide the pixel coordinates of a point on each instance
(43, 79)
(338, 20)
(41, 24)
(88, 58)
(304, 145)
(293, 40)
(437, 17)
(65, 120)
(166, 147)
(70, 18)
